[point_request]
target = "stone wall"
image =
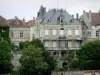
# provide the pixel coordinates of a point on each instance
(85, 72)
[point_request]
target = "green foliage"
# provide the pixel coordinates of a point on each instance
(35, 59)
(68, 59)
(5, 57)
(33, 62)
(75, 65)
(89, 64)
(4, 32)
(24, 45)
(90, 51)
(89, 55)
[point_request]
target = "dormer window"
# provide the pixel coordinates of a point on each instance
(61, 20)
(48, 20)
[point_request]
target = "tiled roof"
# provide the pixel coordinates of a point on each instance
(31, 23)
(95, 18)
(16, 23)
(3, 21)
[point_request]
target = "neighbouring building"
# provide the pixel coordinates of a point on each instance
(91, 27)
(20, 30)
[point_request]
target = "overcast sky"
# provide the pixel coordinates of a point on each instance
(28, 8)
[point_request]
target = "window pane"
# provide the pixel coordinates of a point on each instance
(76, 32)
(46, 43)
(54, 32)
(62, 43)
(62, 32)
(69, 43)
(54, 44)
(69, 32)
(46, 32)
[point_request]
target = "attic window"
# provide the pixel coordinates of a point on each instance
(48, 20)
(61, 20)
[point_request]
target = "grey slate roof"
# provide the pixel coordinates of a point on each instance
(51, 17)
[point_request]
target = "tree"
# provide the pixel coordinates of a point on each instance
(68, 58)
(90, 51)
(47, 58)
(5, 57)
(89, 55)
(33, 62)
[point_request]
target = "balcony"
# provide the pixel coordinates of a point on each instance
(62, 37)
(63, 48)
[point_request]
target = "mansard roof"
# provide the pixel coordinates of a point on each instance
(52, 17)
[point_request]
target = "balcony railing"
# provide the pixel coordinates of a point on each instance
(62, 37)
(63, 48)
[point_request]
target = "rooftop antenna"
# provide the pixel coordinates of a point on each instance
(65, 7)
(57, 4)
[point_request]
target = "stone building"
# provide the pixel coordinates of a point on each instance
(60, 32)
(91, 27)
(20, 30)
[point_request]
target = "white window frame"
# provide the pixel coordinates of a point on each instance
(61, 32)
(21, 34)
(54, 44)
(46, 43)
(77, 32)
(46, 32)
(69, 32)
(54, 32)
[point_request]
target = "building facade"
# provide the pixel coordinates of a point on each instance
(20, 30)
(60, 32)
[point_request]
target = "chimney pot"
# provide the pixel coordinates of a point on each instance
(77, 16)
(33, 18)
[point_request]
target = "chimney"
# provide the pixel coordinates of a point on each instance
(16, 17)
(77, 16)
(33, 18)
(83, 12)
(99, 12)
(23, 20)
(72, 16)
(89, 12)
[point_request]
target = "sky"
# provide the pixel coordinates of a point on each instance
(28, 8)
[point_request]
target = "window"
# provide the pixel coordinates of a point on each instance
(62, 32)
(76, 32)
(77, 43)
(97, 33)
(46, 32)
(89, 33)
(12, 34)
(69, 32)
(21, 34)
(54, 44)
(62, 43)
(46, 43)
(69, 43)
(61, 20)
(54, 32)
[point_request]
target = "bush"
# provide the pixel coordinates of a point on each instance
(89, 64)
